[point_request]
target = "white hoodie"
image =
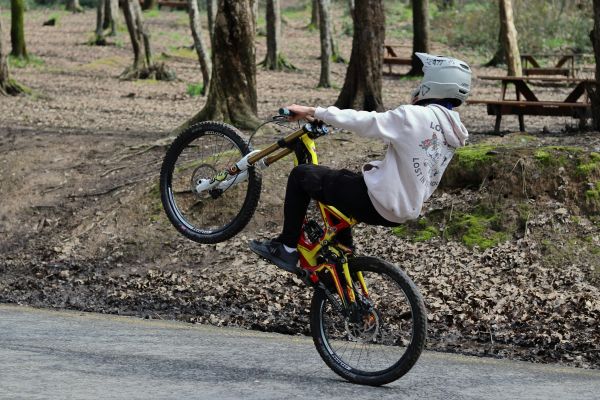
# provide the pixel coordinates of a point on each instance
(421, 143)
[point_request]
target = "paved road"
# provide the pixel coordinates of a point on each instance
(71, 355)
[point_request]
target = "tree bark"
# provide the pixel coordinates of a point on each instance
(362, 85)
(17, 29)
(420, 35)
(274, 60)
(7, 85)
(595, 89)
(135, 34)
(325, 30)
(500, 55)
(211, 9)
(314, 14)
(513, 57)
(273, 35)
(73, 6)
(143, 67)
(232, 93)
(111, 15)
(103, 15)
(198, 45)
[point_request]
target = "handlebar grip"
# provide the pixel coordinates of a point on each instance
(286, 112)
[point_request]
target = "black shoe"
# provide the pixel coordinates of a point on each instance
(275, 252)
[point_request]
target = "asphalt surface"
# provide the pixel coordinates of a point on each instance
(71, 355)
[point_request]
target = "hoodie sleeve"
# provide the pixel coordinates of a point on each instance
(370, 124)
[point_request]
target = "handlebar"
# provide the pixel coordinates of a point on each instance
(285, 112)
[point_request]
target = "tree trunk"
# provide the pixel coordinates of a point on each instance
(211, 9)
(420, 35)
(595, 89)
(325, 30)
(143, 67)
(513, 57)
(198, 45)
(362, 86)
(74, 6)
(17, 29)
(273, 59)
(100, 17)
(7, 85)
(273, 34)
(232, 92)
(103, 15)
(500, 55)
(110, 16)
(135, 34)
(351, 6)
(314, 14)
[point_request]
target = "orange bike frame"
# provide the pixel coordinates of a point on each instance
(333, 222)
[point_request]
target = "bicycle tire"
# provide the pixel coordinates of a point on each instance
(341, 364)
(220, 216)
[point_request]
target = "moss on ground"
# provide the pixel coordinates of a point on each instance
(590, 165)
(470, 157)
(478, 228)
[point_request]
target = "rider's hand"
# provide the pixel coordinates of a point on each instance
(301, 112)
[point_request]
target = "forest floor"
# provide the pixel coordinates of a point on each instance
(82, 226)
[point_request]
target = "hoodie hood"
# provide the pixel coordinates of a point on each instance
(454, 131)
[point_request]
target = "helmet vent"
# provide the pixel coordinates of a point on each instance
(465, 66)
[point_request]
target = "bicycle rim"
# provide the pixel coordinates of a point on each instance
(213, 215)
(387, 339)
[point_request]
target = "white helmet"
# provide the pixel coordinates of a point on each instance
(444, 78)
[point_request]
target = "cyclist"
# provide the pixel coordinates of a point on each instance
(421, 138)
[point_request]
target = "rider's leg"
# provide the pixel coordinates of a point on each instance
(342, 189)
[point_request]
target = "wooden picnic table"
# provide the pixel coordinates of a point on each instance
(558, 69)
(526, 102)
(390, 57)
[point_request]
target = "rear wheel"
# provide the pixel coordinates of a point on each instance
(201, 152)
(384, 337)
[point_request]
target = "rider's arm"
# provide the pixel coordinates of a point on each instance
(365, 123)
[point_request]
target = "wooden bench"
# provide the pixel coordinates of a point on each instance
(176, 4)
(571, 106)
(558, 69)
(391, 58)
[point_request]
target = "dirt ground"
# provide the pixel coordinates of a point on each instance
(82, 226)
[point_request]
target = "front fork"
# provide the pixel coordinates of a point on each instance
(352, 302)
(223, 180)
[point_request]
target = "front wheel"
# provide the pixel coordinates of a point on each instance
(384, 338)
(200, 153)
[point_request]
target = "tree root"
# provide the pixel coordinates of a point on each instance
(13, 88)
(159, 72)
(282, 64)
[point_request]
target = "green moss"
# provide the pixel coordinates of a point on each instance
(417, 231)
(589, 166)
(594, 193)
(543, 157)
(401, 231)
(475, 155)
(182, 52)
(195, 89)
(152, 13)
(17, 62)
(426, 234)
(477, 229)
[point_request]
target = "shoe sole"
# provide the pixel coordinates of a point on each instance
(272, 260)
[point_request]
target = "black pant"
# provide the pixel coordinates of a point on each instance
(342, 189)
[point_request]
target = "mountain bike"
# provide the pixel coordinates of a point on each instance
(367, 318)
